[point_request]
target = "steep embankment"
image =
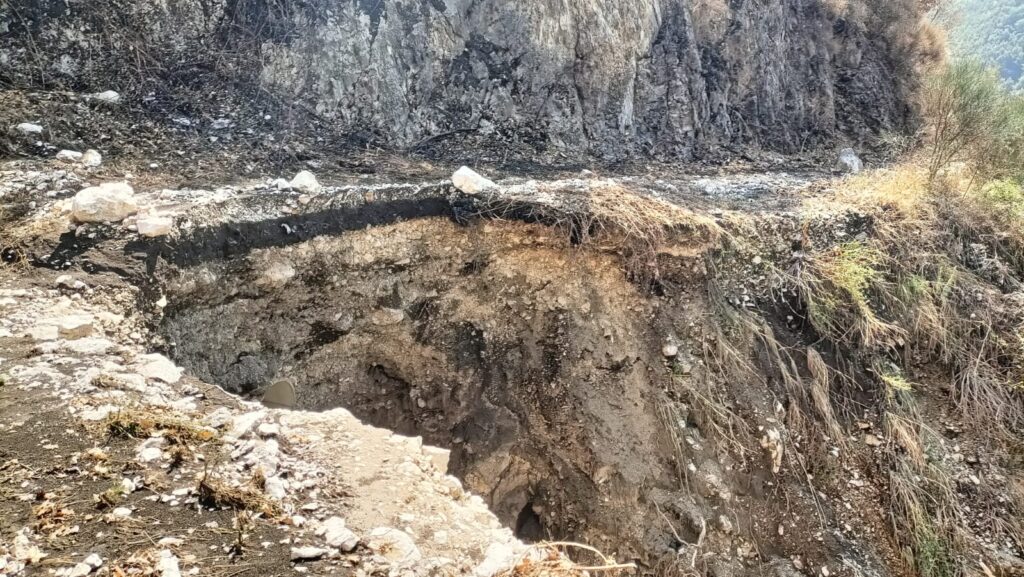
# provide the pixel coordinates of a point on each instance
(609, 78)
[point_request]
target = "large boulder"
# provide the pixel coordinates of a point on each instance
(108, 202)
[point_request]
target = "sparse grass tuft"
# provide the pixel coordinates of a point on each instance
(836, 288)
(139, 423)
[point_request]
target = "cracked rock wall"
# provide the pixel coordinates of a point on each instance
(612, 78)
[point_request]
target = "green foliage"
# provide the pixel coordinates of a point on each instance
(973, 118)
(993, 32)
(837, 290)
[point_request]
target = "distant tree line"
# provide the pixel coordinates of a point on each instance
(991, 31)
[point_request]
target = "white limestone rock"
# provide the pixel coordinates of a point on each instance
(108, 202)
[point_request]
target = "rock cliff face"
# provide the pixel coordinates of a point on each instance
(612, 78)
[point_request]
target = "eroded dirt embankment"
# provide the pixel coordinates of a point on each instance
(656, 390)
(581, 401)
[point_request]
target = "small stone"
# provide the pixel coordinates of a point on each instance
(307, 553)
(154, 226)
(108, 202)
(122, 512)
(336, 535)
(79, 570)
(268, 430)
(872, 441)
(849, 162)
(94, 561)
(167, 565)
(69, 156)
(150, 454)
(91, 158)
(470, 182)
(158, 367)
(670, 350)
(725, 524)
(499, 558)
(387, 316)
(276, 487)
(75, 326)
(394, 545)
(277, 275)
(306, 181)
(281, 184)
(106, 97)
(29, 128)
(170, 542)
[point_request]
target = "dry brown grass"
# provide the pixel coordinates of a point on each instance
(218, 494)
(145, 423)
(605, 215)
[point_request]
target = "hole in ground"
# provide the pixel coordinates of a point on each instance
(537, 371)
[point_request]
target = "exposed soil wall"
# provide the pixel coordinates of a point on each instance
(539, 365)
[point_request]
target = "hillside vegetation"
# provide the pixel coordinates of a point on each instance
(993, 31)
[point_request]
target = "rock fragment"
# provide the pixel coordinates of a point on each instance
(91, 158)
(154, 226)
(305, 181)
(158, 367)
(307, 553)
(336, 535)
(106, 97)
(470, 182)
(69, 156)
(167, 565)
(849, 162)
(28, 128)
(108, 202)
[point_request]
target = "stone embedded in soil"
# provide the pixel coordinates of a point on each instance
(69, 156)
(394, 545)
(470, 182)
(872, 441)
(29, 128)
(158, 367)
(307, 553)
(154, 226)
(106, 97)
(108, 202)
(75, 326)
(91, 158)
(305, 181)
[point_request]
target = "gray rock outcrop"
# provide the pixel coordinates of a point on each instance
(611, 78)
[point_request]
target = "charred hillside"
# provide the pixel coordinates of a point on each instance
(611, 79)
